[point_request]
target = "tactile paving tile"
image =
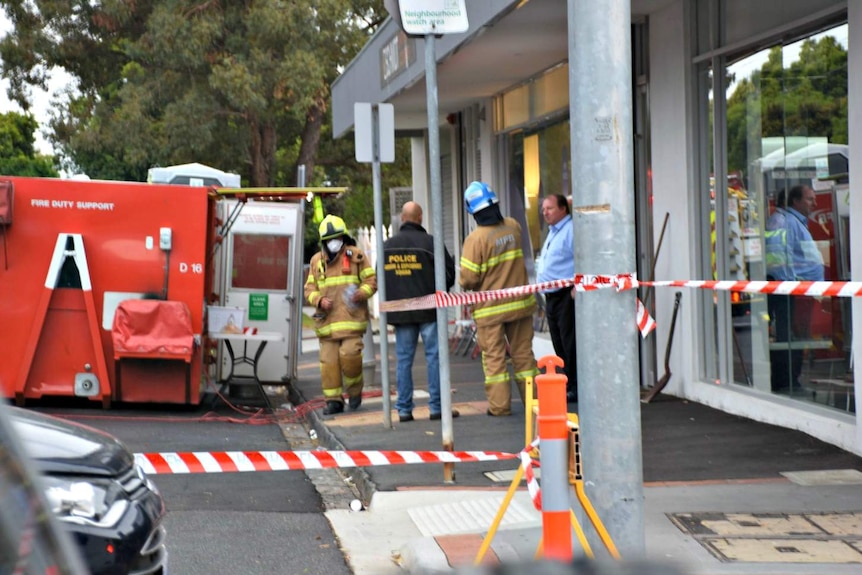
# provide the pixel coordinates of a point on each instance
(470, 516)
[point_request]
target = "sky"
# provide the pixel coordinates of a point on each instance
(41, 99)
(789, 54)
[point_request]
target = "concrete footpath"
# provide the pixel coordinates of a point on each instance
(722, 494)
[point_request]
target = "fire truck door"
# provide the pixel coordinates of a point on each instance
(262, 275)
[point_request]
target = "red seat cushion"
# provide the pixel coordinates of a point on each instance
(152, 327)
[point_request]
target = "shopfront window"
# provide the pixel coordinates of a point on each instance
(539, 166)
(787, 216)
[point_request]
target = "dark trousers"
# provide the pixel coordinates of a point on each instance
(792, 323)
(560, 311)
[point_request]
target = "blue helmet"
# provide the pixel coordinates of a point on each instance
(479, 196)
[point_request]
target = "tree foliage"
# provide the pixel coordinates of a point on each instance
(807, 98)
(18, 156)
(235, 84)
(242, 85)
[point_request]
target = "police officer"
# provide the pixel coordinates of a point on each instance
(409, 271)
(340, 281)
(492, 259)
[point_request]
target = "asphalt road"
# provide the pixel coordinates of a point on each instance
(249, 523)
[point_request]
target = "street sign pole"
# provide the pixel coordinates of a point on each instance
(381, 283)
(375, 143)
(430, 18)
(447, 431)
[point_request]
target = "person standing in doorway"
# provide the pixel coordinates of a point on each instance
(492, 259)
(340, 282)
(557, 262)
(791, 255)
(409, 272)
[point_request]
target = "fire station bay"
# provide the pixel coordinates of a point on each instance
(740, 109)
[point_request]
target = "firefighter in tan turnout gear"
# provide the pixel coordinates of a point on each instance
(492, 259)
(340, 281)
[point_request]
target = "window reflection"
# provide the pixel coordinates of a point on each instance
(787, 137)
(539, 166)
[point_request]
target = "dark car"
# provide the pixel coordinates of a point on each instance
(31, 540)
(99, 494)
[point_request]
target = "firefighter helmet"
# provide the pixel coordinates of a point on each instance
(479, 196)
(331, 227)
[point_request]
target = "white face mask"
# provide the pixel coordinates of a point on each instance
(334, 245)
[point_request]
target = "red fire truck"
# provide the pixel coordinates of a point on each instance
(105, 285)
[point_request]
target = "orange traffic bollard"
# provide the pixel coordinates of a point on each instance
(554, 454)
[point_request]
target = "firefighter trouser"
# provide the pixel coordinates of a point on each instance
(493, 339)
(341, 358)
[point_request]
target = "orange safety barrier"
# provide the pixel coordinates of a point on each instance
(553, 452)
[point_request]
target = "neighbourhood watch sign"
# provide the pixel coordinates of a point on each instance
(421, 17)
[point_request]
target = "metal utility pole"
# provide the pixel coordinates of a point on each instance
(600, 103)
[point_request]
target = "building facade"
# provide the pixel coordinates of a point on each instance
(735, 103)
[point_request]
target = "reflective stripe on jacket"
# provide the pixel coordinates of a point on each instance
(492, 259)
(348, 271)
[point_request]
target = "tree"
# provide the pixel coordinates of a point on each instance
(242, 85)
(18, 155)
(222, 82)
(807, 98)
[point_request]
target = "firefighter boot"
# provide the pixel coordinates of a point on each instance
(333, 407)
(351, 369)
(330, 378)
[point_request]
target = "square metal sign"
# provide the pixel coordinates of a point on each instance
(421, 17)
(370, 121)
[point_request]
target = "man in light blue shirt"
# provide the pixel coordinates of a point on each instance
(557, 262)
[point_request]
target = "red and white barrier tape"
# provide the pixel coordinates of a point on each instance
(646, 323)
(622, 282)
(243, 461)
(817, 289)
(580, 282)
(446, 299)
(527, 464)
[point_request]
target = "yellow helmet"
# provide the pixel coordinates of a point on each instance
(331, 227)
